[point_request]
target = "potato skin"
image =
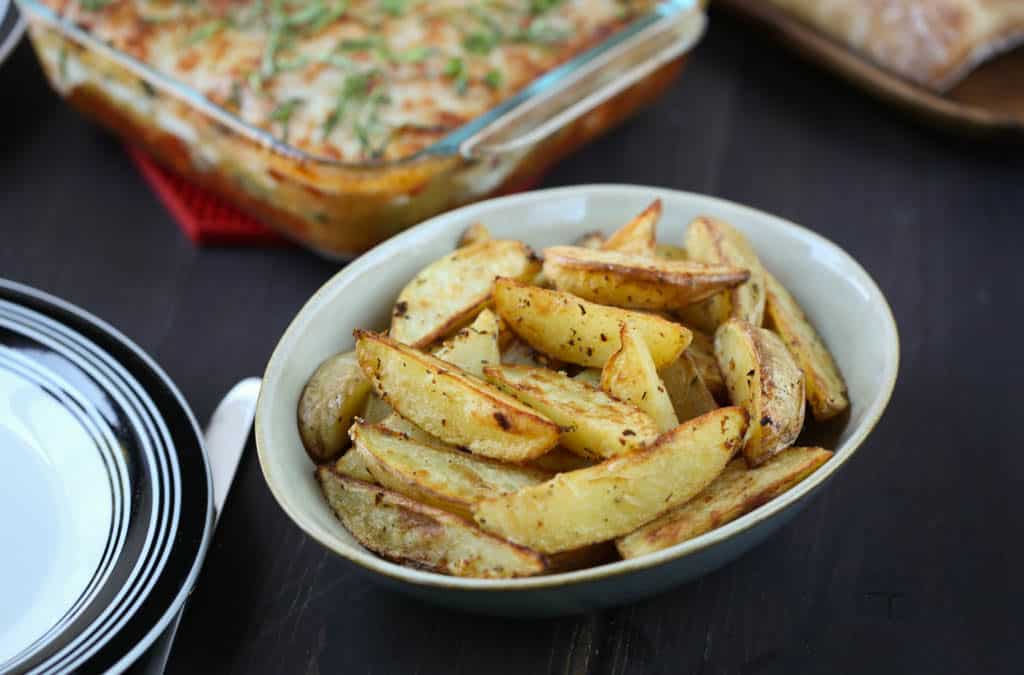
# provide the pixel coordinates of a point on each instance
(635, 281)
(826, 388)
(333, 396)
(578, 331)
(737, 491)
(619, 495)
(407, 532)
(630, 375)
(763, 378)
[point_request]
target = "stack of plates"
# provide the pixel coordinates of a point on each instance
(105, 493)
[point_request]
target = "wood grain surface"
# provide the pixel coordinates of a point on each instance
(908, 563)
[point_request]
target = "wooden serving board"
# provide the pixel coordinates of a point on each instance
(989, 101)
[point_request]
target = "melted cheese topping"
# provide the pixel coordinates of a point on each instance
(359, 79)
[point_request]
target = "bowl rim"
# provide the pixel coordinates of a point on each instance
(432, 228)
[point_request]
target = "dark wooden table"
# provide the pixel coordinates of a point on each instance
(909, 563)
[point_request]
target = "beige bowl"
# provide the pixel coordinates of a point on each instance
(840, 297)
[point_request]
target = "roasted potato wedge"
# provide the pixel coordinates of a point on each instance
(702, 352)
(636, 281)
(593, 424)
(826, 388)
(407, 532)
(736, 492)
(353, 464)
(619, 495)
(715, 242)
(686, 390)
(452, 405)
(474, 346)
(331, 399)
(578, 331)
(435, 474)
(475, 233)
(763, 378)
(639, 235)
(561, 460)
(630, 375)
(448, 293)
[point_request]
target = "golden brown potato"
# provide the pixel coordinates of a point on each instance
(578, 331)
(702, 352)
(686, 390)
(636, 281)
(630, 375)
(452, 405)
(639, 235)
(410, 533)
(763, 378)
(436, 474)
(353, 465)
(449, 292)
(621, 494)
(333, 396)
(474, 346)
(826, 388)
(476, 232)
(736, 492)
(593, 424)
(715, 242)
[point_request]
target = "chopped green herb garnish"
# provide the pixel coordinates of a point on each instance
(414, 55)
(62, 63)
(206, 31)
(393, 7)
(455, 67)
(283, 114)
(543, 33)
(95, 5)
(493, 79)
(359, 45)
(480, 42)
(329, 16)
(541, 6)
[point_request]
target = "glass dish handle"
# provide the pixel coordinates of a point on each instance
(559, 98)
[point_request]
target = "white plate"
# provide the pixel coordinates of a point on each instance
(105, 498)
(837, 293)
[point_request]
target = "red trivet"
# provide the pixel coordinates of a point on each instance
(204, 217)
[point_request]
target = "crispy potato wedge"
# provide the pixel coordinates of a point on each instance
(686, 390)
(630, 375)
(519, 353)
(581, 332)
(435, 474)
(763, 378)
(670, 252)
(474, 346)
(475, 233)
(561, 460)
(353, 464)
(591, 376)
(715, 242)
(737, 491)
(826, 388)
(593, 424)
(636, 281)
(702, 352)
(639, 235)
(333, 396)
(591, 240)
(452, 405)
(449, 292)
(410, 533)
(619, 495)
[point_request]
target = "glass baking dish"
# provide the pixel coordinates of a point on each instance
(343, 208)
